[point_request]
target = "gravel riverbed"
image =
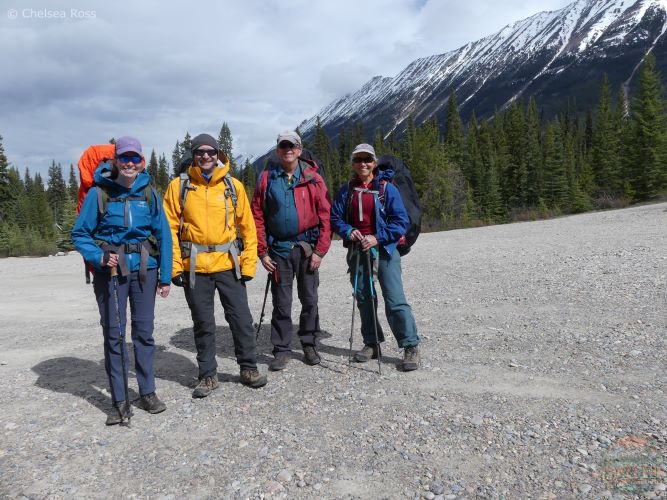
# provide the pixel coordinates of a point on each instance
(543, 376)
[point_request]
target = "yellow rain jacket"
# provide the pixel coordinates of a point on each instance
(204, 222)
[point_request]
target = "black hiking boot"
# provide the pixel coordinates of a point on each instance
(410, 359)
(310, 355)
(120, 412)
(367, 353)
(279, 362)
(252, 378)
(206, 386)
(151, 403)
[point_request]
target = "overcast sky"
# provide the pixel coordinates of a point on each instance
(79, 72)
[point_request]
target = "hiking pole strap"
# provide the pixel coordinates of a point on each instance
(189, 249)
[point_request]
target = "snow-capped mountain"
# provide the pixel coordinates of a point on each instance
(552, 56)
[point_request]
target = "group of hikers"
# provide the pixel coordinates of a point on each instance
(206, 235)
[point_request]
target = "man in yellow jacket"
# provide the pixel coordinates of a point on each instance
(215, 248)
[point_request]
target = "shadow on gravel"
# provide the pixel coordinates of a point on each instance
(79, 377)
(224, 344)
(86, 379)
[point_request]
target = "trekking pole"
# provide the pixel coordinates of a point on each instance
(266, 294)
(354, 298)
(375, 312)
(114, 280)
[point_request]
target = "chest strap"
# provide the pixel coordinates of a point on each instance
(189, 249)
(361, 191)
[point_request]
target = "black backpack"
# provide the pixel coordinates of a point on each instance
(406, 187)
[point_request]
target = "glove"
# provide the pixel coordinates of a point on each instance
(245, 278)
(179, 280)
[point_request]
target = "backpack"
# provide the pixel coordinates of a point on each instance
(403, 181)
(88, 163)
(406, 188)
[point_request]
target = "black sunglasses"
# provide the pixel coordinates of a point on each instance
(202, 152)
(288, 145)
(364, 159)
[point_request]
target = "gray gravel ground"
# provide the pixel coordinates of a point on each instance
(543, 376)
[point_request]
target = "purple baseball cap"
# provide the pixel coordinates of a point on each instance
(127, 144)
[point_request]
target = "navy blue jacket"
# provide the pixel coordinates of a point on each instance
(391, 218)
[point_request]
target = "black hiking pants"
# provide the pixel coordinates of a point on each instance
(234, 299)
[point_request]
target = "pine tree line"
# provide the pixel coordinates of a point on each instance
(516, 165)
(512, 166)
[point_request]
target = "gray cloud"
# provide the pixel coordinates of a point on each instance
(155, 69)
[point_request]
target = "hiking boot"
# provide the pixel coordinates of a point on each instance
(206, 386)
(410, 359)
(252, 378)
(151, 403)
(119, 412)
(279, 362)
(310, 355)
(367, 353)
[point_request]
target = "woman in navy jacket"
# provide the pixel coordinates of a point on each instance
(369, 215)
(122, 225)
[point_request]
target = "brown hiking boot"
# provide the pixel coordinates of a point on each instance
(310, 355)
(206, 386)
(151, 403)
(279, 362)
(252, 378)
(367, 353)
(411, 359)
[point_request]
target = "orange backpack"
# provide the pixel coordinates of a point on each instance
(89, 161)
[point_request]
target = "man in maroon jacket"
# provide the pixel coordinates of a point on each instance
(291, 209)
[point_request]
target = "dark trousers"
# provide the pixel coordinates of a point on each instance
(234, 299)
(142, 306)
(281, 292)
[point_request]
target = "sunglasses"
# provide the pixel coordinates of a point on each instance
(210, 152)
(288, 145)
(136, 159)
(364, 159)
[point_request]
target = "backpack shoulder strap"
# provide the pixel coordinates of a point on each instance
(102, 199)
(231, 190)
(183, 190)
(381, 189)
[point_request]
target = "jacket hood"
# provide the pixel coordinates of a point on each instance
(218, 173)
(383, 173)
(103, 178)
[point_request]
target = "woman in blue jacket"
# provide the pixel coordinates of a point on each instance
(122, 225)
(369, 215)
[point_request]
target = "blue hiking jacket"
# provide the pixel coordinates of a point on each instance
(143, 221)
(391, 218)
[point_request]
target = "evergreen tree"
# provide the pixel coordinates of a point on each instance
(473, 165)
(604, 152)
(225, 142)
(516, 180)
(176, 160)
(492, 203)
(64, 240)
(249, 177)
(162, 180)
(454, 138)
(649, 172)
(152, 168)
(6, 195)
(72, 184)
(57, 191)
(556, 192)
(41, 216)
(533, 155)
